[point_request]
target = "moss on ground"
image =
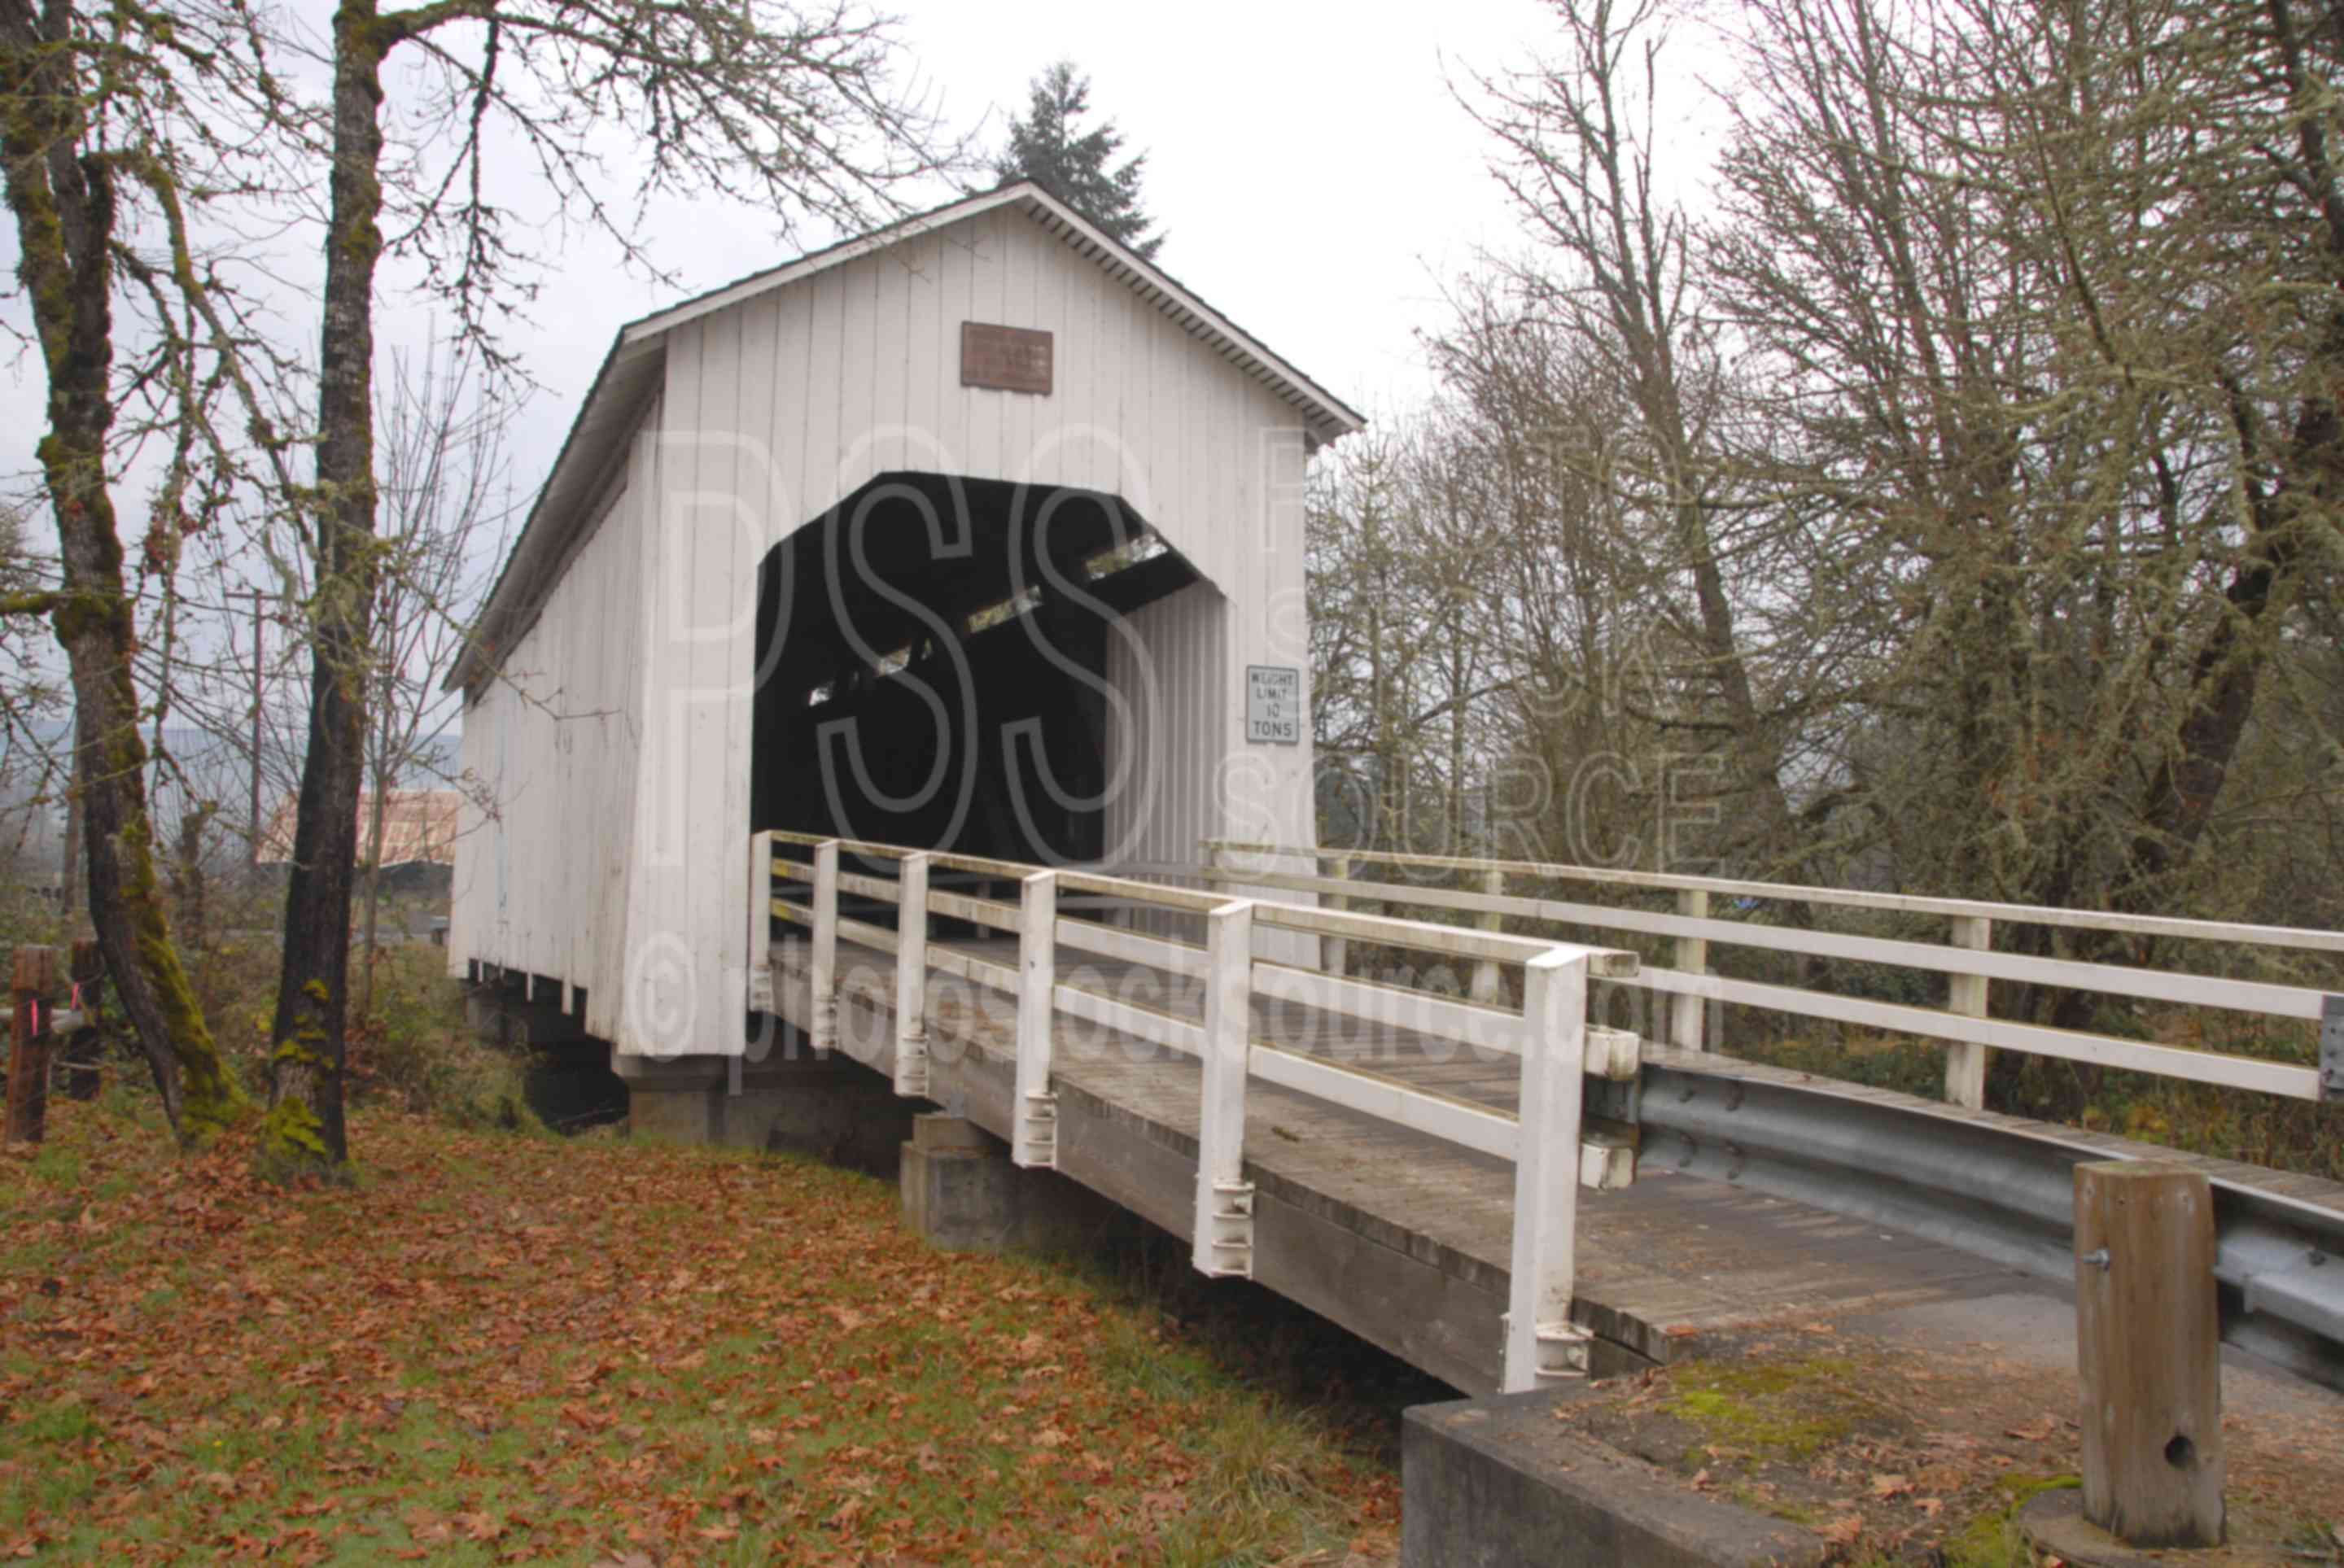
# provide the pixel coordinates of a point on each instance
(1775, 1410)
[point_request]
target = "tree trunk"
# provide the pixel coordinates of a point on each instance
(64, 212)
(69, 885)
(375, 816)
(305, 1134)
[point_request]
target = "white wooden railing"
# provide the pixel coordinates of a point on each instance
(1967, 957)
(1552, 1153)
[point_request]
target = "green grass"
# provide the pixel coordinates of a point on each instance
(502, 1348)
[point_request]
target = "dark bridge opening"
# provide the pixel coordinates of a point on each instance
(931, 656)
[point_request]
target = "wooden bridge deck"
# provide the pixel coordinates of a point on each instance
(1399, 1237)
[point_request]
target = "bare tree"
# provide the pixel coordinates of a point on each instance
(118, 130)
(794, 108)
(1619, 276)
(447, 501)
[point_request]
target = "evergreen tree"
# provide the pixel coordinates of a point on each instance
(1048, 147)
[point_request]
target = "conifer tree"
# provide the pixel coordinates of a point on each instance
(1050, 147)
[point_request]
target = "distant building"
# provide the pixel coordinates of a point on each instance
(419, 835)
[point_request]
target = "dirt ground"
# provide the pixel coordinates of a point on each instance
(1896, 1456)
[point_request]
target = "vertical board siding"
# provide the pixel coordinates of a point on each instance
(540, 876)
(624, 803)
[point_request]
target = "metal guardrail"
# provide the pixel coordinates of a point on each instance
(2005, 1193)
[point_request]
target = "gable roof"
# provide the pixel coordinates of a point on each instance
(631, 374)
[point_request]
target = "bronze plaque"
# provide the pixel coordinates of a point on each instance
(1012, 358)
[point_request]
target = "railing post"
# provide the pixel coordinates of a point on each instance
(1966, 994)
(761, 922)
(1223, 1239)
(824, 968)
(1335, 952)
(911, 977)
(1035, 1136)
(1542, 1341)
(1487, 986)
(1692, 958)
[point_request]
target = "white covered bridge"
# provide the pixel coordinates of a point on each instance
(896, 630)
(966, 533)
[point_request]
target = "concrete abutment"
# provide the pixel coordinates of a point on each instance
(963, 1193)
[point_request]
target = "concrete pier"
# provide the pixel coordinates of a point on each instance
(963, 1195)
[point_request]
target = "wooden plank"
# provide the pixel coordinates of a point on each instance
(1966, 1060)
(1034, 1141)
(2149, 1352)
(2002, 1034)
(1488, 983)
(2304, 937)
(2114, 979)
(1222, 1235)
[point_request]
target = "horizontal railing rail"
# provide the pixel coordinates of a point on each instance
(1546, 1140)
(2307, 939)
(1964, 1024)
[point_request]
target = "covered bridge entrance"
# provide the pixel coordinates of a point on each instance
(973, 533)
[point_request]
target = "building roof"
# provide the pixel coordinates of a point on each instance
(629, 378)
(418, 827)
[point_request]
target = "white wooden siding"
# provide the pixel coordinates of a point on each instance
(774, 407)
(540, 881)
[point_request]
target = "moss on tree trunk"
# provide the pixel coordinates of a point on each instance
(63, 207)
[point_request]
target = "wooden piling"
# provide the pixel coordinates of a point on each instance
(2148, 1339)
(32, 991)
(87, 970)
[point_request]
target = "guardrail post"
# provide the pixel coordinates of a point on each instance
(825, 966)
(1692, 954)
(1223, 1233)
(1966, 994)
(911, 977)
(1335, 952)
(761, 922)
(1487, 986)
(1035, 1136)
(2149, 1352)
(1542, 1341)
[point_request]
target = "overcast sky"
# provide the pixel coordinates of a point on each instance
(1314, 174)
(1317, 178)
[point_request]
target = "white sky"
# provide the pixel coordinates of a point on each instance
(1317, 178)
(1314, 174)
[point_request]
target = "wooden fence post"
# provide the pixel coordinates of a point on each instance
(32, 990)
(1692, 955)
(911, 977)
(88, 969)
(2148, 1351)
(1034, 1107)
(1966, 994)
(1487, 983)
(1334, 952)
(1542, 1341)
(761, 925)
(823, 964)
(1222, 1242)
